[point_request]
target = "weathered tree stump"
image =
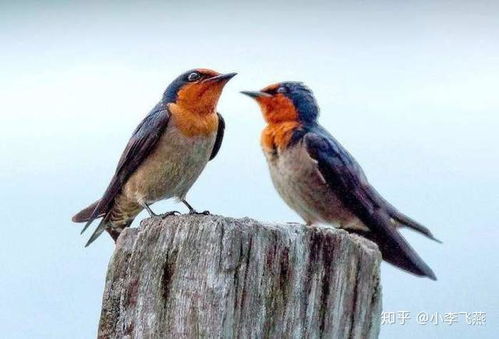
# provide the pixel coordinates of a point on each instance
(217, 277)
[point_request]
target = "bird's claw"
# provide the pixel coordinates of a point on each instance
(164, 215)
(167, 214)
(194, 212)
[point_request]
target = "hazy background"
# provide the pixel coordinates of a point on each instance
(410, 89)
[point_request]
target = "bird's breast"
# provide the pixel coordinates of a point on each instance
(173, 166)
(298, 181)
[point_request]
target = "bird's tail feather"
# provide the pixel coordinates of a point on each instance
(98, 231)
(395, 249)
(105, 225)
(89, 214)
(404, 220)
(85, 214)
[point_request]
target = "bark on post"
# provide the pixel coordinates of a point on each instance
(217, 277)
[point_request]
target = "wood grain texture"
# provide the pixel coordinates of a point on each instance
(218, 277)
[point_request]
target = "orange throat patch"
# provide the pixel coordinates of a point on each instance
(276, 136)
(191, 123)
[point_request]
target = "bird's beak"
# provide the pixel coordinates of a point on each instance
(256, 94)
(220, 78)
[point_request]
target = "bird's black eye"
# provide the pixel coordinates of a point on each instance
(194, 76)
(281, 90)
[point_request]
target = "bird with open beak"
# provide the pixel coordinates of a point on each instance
(165, 155)
(322, 182)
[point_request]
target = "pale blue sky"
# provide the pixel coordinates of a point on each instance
(409, 89)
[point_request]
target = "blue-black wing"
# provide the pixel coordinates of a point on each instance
(220, 136)
(345, 177)
(143, 140)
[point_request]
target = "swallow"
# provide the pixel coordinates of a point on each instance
(322, 182)
(165, 154)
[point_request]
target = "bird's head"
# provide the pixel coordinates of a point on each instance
(197, 90)
(286, 101)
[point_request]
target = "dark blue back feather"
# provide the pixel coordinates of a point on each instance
(303, 99)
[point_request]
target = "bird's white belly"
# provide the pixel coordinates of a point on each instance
(297, 179)
(172, 168)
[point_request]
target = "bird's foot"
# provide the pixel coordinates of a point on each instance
(168, 214)
(164, 215)
(194, 212)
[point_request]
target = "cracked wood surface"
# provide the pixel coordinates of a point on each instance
(218, 277)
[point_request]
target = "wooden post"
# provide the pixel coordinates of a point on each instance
(218, 277)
